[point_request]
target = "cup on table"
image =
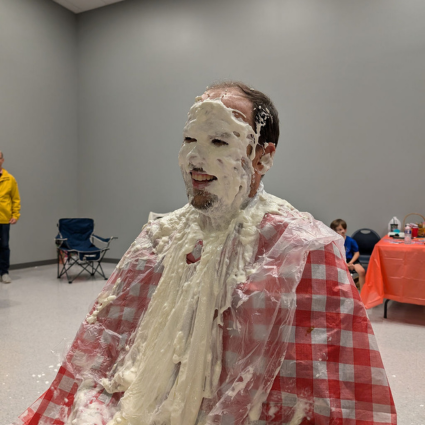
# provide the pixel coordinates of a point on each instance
(414, 232)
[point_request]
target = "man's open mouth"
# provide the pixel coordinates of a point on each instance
(202, 177)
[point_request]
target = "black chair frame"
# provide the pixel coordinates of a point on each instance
(69, 258)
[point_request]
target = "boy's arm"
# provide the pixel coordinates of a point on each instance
(355, 257)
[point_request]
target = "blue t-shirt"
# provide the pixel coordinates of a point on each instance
(351, 247)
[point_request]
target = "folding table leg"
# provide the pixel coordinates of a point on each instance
(385, 308)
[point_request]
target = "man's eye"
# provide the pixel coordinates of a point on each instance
(218, 142)
(189, 140)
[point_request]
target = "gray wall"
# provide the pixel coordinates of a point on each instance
(346, 76)
(38, 119)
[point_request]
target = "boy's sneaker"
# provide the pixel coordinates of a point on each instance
(6, 278)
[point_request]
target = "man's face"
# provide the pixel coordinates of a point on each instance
(1, 161)
(341, 231)
(214, 157)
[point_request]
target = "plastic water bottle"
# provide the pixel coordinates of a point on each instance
(407, 234)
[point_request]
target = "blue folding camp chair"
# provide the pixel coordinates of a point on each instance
(76, 248)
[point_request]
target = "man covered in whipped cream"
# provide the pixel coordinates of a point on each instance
(235, 309)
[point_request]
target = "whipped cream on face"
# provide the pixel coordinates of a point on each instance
(215, 152)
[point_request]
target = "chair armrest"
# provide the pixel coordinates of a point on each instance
(60, 241)
(105, 240)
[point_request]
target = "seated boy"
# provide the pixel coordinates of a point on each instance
(351, 249)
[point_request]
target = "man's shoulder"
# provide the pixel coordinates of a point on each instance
(301, 224)
(297, 229)
(276, 210)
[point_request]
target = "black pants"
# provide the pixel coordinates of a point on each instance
(4, 249)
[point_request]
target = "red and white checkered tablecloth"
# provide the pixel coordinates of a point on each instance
(329, 366)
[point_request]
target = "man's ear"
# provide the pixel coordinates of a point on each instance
(264, 158)
(270, 149)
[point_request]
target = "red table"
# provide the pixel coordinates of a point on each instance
(396, 271)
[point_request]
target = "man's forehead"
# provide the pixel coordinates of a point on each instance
(213, 117)
(233, 98)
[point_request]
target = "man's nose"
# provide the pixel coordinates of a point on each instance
(197, 154)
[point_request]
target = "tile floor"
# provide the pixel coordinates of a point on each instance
(39, 316)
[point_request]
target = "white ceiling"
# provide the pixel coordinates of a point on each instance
(78, 6)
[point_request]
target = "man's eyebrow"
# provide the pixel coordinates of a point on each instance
(226, 134)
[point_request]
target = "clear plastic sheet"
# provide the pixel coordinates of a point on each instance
(189, 337)
(193, 326)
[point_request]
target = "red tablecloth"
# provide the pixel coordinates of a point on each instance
(396, 271)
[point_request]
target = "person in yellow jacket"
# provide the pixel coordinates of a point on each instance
(10, 206)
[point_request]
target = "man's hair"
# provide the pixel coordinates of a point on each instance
(264, 112)
(337, 222)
